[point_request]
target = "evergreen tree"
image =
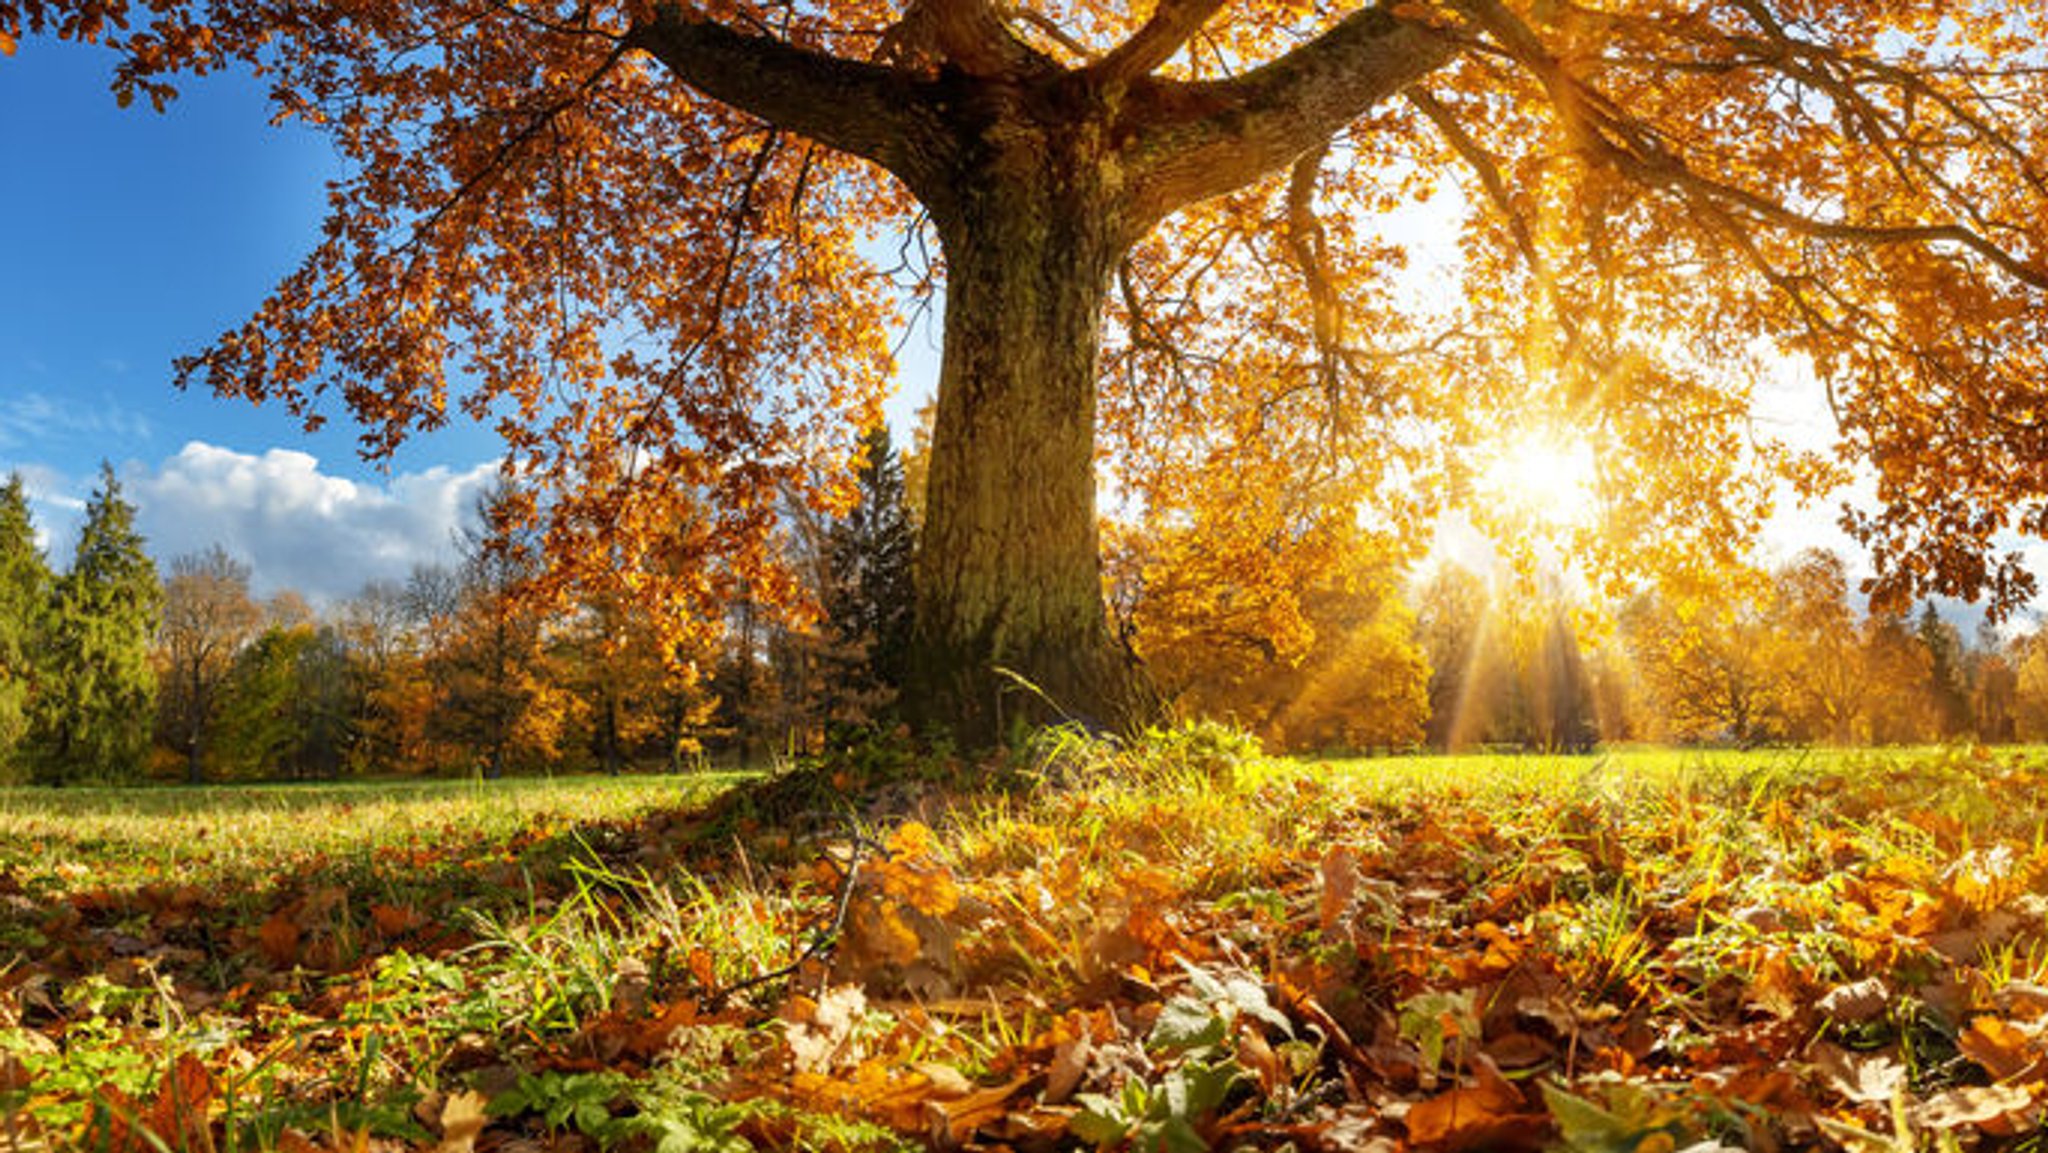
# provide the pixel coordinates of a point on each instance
(868, 599)
(96, 695)
(24, 594)
(1947, 693)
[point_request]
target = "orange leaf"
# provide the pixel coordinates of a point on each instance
(1489, 1114)
(179, 1115)
(392, 920)
(2004, 1049)
(279, 938)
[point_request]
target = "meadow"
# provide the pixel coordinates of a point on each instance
(1179, 944)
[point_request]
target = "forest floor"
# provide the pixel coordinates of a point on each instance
(1174, 946)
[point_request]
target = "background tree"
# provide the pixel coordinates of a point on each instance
(655, 209)
(1710, 661)
(1827, 677)
(1897, 708)
(24, 599)
(1451, 610)
(96, 692)
(498, 694)
(208, 615)
(285, 708)
(1994, 687)
(868, 600)
(1946, 685)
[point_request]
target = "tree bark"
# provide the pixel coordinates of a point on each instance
(1010, 622)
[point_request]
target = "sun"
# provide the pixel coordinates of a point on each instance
(1551, 480)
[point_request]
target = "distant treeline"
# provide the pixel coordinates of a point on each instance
(112, 671)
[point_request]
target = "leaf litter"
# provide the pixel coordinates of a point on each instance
(1089, 946)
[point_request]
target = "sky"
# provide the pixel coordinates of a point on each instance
(134, 238)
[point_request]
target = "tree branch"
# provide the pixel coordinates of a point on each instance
(971, 35)
(1196, 141)
(1173, 24)
(869, 110)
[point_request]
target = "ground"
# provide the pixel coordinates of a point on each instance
(1174, 945)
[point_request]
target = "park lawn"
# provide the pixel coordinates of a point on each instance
(1175, 945)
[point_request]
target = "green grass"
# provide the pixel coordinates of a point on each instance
(226, 834)
(1638, 939)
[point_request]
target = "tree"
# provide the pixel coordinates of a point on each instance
(208, 615)
(867, 599)
(498, 696)
(1450, 615)
(1711, 660)
(1826, 683)
(96, 693)
(24, 597)
(285, 709)
(650, 210)
(1948, 694)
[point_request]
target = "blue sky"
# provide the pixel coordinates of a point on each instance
(134, 238)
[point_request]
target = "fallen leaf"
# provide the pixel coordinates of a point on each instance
(1338, 885)
(1866, 1078)
(953, 1122)
(278, 938)
(1997, 1109)
(1488, 1114)
(1856, 1002)
(1069, 1065)
(2004, 1049)
(462, 1119)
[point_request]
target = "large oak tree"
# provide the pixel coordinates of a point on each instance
(641, 237)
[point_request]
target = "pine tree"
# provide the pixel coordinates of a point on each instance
(868, 599)
(24, 594)
(96, 695)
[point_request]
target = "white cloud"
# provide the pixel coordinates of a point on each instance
(298, 527)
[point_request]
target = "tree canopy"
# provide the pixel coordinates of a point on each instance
(645, 240)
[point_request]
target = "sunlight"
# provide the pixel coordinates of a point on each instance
(1546, 479)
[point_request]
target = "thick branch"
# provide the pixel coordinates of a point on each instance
(972, 35)
(1173, 23)
(866, 109)
(1196, 141)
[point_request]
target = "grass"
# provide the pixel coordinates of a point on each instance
(1177, 944)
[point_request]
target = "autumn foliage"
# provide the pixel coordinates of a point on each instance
(1327, 247)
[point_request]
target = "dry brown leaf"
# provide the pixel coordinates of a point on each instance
(1069, 1065)
(953, 1122)
(1997, 1109)
(462, 1119)
(1866, 1078)
(1338, 886)
(1856, 1002)
(2004, 1049)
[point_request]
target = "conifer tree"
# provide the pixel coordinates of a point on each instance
(24, 592)
(868, 598)
(96, 693)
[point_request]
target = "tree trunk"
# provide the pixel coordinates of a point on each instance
(1010, 619)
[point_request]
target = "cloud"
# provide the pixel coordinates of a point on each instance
(298, 527)
(40, 420)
